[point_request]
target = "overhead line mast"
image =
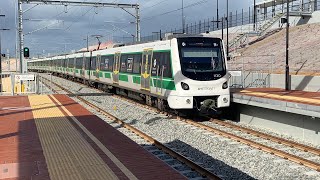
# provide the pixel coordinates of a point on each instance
(23, 65)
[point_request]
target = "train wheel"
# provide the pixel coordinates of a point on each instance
(160, 104)
(148, 100)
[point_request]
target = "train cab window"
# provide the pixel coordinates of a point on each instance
(201, 59)
(137, 63)
(123, 63)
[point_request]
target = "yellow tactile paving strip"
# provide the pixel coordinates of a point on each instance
(281, 97)
(68, 155)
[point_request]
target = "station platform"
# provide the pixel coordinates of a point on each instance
(53, 137)
(297, 102)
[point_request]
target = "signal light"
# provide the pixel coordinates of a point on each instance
(26, 52)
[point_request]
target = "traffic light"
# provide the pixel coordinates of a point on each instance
(26, 53)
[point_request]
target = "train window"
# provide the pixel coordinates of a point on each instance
(129, 64)
(137, 63)
(155, 63)
(105, 63)
(79, 63)
(163, 60)
(87, 63)
(93, 63)
(123, 63)
(70, 62)
(111, 59)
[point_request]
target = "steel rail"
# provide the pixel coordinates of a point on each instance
(159, 145)
(268, 137)
(294, 158)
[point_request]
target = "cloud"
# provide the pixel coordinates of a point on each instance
(78, 22)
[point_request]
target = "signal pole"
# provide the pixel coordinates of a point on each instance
(20, 32)
(288, 86)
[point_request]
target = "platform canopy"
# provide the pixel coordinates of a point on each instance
(270, 3)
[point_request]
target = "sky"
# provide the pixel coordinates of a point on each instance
(58, 29)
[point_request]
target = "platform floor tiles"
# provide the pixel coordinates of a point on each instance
(68, 155)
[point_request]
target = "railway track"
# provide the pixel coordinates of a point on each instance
(271, 150)
(204, 173)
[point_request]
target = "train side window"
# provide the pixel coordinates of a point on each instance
(69, 63)
(87, 63)
(137, 63)
(129, 64)
(165, 62)
(155, 64)
(79, 63)
(111, 59)
(93, 63)
(105, 63)
(123, 63)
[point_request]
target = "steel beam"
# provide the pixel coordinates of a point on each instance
(80, 3)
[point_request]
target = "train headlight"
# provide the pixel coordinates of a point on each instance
(185, 86)
(225, 100)
(225, 85)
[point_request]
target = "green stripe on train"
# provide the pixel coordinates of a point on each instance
(107, 75)
(123, 77)
(136, 79)
(170, 85)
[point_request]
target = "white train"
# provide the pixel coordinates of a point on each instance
(182, 73)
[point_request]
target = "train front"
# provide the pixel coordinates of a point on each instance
(201, 75)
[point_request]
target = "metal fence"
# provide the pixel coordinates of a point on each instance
(237, 18)
(20, 84)
(251, 71)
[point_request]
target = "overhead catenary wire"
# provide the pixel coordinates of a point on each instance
(168, 12)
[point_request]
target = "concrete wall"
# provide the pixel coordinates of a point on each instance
(298, 82)
(306, 128)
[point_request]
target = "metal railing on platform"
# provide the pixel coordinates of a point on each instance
(251, 71)
(21, 84)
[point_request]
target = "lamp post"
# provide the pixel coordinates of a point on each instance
(227, 28)
(87, 39)
(160, 36)
(182, 9)
(288, 86)
(222, 24)
(217, 14)
(1, 15)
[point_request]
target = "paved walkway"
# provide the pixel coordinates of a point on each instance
(53, 137)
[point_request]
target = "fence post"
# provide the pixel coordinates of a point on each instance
(12, 83)
(37, 83)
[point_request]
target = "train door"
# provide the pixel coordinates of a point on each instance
(74, 67)
(146, 69)
(116, 67)
(83, 69)
(98, 60)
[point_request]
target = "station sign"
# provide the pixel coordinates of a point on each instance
(24, 77)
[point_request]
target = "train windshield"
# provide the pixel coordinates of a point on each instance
(201, 58)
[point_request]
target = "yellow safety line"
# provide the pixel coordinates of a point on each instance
(68, 155)
(106, 151)
(281, 97)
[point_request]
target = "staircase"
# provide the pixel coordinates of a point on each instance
(238, 40)
(263, 29)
